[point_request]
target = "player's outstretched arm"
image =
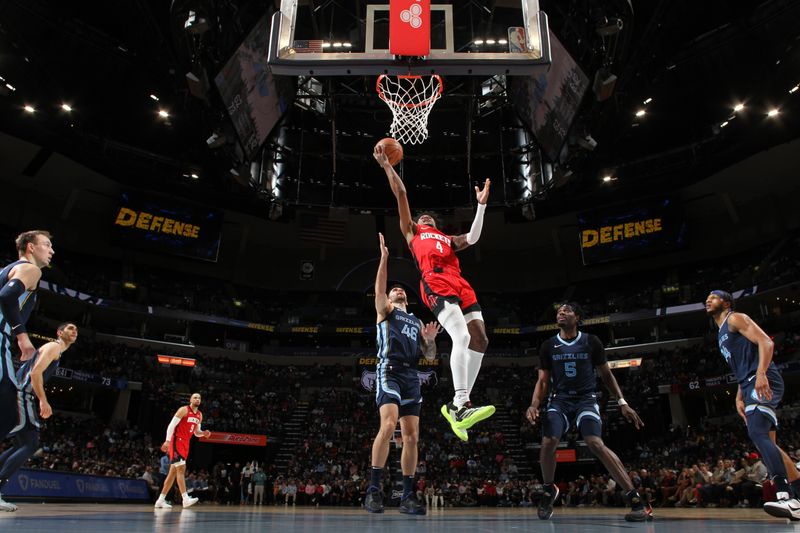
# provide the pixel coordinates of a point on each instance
(467, 239)
(382, 304)
(751, 331)
(399, 191)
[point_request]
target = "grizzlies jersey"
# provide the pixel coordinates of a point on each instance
(398, 338)
(740, 354)
(572, 363)
(24, 372)
(26, 302)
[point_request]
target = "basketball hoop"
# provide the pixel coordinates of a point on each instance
(411, 99)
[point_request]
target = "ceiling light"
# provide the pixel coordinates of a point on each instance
(640, 113)
(773, 112)
(154, 97)
(502, 41)
(194, 176)
(163, 113)
(348, 45)
(326, 45)
(10, 87)
(738, 107)
(337, 45)
(478, 42)
(794, 89)
(648, 101)
(29, 109)
(66, 107)
(490, 41)
(723, 124)
(607, 178)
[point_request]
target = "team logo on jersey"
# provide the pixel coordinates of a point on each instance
(432, 300)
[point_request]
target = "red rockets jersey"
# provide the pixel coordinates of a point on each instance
(187, 425)
(433, 250)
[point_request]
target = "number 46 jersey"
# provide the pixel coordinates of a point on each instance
(572, 363)
(397, 338)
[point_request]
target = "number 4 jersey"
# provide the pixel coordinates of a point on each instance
(397, 338)
(572, 363)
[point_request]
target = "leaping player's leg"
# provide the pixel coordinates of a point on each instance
(478, 342)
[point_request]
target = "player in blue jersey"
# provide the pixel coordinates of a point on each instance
(400, 337)
(32, 376)
(568, 366)
(748, 351)
(18, 283)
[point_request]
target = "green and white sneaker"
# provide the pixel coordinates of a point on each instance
(466, 416)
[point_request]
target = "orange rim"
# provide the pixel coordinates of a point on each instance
(424, 103)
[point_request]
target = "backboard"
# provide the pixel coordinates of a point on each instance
(467, 37)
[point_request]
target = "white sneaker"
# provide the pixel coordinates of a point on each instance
(784, 508)
(6, 506)
(162, 504)
(188, 502)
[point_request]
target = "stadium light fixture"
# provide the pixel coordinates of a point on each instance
(738, 107)
(641, 113)
(163, 113)
(794, 89)
(648, 101)
(154, 97)
(66, 107)
(29, 109)
(478, 42)
(773, 112)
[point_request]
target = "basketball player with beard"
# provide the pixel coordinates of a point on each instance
(399, 339)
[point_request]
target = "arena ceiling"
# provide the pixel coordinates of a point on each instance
(692, 62)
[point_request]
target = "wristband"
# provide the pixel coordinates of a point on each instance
(622, 401)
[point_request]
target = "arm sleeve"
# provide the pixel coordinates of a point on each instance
(171, 428)
(9, 305)
(477, 225)
(545, 360)
(198, 431)
(598, 351)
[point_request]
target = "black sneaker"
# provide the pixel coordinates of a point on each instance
(549, 498)
(373, 502)
(640, 511)
(411, 505)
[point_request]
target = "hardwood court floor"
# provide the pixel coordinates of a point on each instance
(118, 518)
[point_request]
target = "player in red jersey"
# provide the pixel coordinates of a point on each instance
(448, 295)
(185, 423)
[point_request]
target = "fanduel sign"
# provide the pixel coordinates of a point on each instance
(46, 484)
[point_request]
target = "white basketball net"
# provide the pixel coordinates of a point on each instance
(411, 99)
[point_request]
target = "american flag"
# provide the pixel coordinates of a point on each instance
(320, 229)
(307, 47)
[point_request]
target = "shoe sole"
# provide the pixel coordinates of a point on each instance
(779, 512)
(483, 414)
(460, 433)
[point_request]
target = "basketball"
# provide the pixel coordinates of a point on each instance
(392, 149)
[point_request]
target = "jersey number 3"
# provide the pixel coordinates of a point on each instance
(569, 369)
(410, 332)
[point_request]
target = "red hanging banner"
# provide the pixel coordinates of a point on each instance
(410, 27)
